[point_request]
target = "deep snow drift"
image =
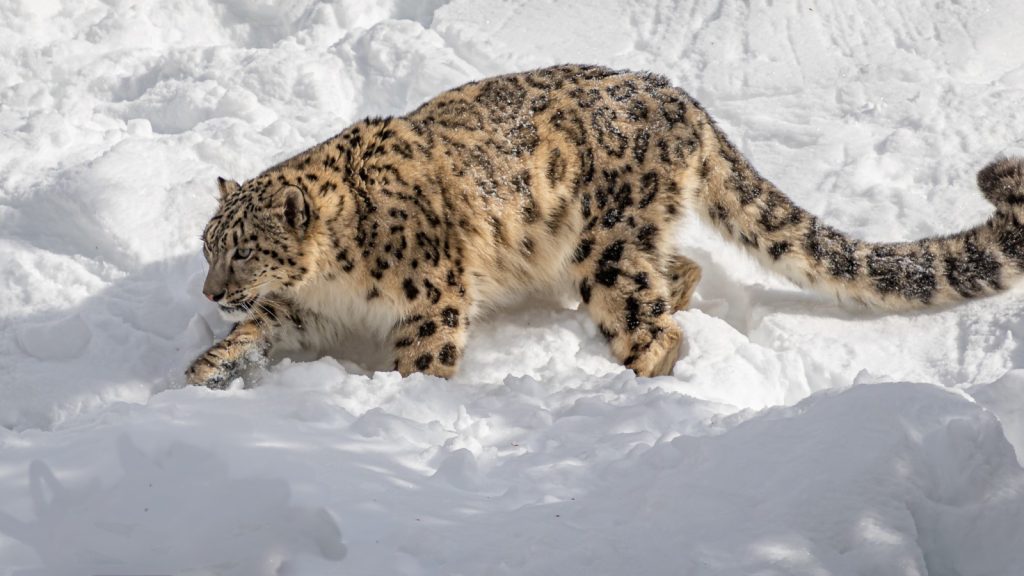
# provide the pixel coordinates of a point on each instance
(786, 442)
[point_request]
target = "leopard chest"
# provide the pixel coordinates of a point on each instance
(337, 308)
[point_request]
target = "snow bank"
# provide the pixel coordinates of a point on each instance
(877, 479)
(772, 449)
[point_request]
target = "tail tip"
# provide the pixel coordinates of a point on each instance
(1002, 182)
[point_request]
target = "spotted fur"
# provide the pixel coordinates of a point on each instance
(571, 175)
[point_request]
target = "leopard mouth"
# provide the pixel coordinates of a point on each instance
(237, 309)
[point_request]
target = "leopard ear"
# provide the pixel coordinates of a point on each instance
(226, 187)
(297, 210)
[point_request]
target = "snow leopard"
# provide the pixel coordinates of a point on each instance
(570, 176)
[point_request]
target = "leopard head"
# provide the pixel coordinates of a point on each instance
(254, 243)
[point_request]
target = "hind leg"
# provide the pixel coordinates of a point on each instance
(630, 299)
(683, 275)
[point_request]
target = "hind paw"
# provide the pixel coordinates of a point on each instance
(1002, 182)
(683, 275)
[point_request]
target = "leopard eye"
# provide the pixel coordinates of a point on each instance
(242, 253)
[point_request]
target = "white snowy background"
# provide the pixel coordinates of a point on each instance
(796, 436)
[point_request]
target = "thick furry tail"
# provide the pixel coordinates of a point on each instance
(892, 276)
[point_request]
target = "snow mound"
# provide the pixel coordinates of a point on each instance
(927, 484)
(179, 512)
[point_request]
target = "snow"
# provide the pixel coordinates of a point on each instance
(795, 436)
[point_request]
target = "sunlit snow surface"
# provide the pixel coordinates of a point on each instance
(787, 442)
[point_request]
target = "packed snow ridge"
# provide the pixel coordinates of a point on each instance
(795, 436)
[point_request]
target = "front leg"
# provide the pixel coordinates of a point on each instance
(247, 342)
(431, 338)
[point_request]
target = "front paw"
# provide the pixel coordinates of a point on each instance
(209, 371)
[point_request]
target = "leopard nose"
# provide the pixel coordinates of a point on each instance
(213, 297)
